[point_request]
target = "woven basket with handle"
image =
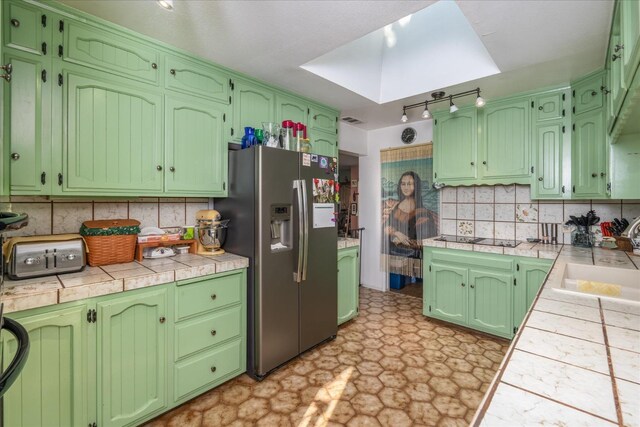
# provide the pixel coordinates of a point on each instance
(110, 241)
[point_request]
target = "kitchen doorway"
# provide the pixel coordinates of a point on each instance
(349, 195)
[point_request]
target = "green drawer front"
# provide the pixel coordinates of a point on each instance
(206, 295)
(205, 331)
(207, 368)
(467, 258)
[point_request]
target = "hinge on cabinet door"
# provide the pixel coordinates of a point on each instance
(531, 169)
(609, 186)
(43, 19)
(308, 111)
(514, 282)
(61, 26)
(574, 188)
(231, 84)
(336, 131)
(517, 267)
(44, 48)
(429, 268)
(435, 174)
(573, 93)
(60, 80)
(429, 308)
(231, 131)
(563, 112)
(435, 122)
(563, 129)
(573, 127)
(93, 425)
(224, 117)
(573, 110)
(531, 104)
(563, 189)
(43, 178)
(59, 179)
(60, 50)
(43, 75)
(563, 96)
(229, 100)
(224, 185)
(515, 329)
(91, 316)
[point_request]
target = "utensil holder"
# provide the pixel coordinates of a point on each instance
(582, 237)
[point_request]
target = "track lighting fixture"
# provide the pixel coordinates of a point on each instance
(439, 97)
(166, 4)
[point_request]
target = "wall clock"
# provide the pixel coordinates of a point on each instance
(408, 135)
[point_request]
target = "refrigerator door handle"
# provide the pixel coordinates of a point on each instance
(297, 275)
(305, 255)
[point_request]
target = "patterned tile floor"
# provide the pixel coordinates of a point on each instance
(389, 367)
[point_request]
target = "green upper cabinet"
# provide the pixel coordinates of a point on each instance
(348, 284)
(448, 292)
(616, 87)
(196, 79)
(53, 386)
(27, 118)
(253, 104)
(291, 108)
(455, 146)
(26, 27)
(630, 43)
(195, 150)
(323, 119)
(132, 356)
(530, 275)
(111, 51)
(547, 181)
(588, 156)
(505, 140)
(548, 106)
(113, 137)
(588, 94)
(490, 301)
(323, 143)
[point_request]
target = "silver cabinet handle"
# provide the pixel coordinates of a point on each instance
(8, 68)
(159, 167)
(15, 156)
(593, 175)
(540, 178)
(463, 285)
(172, 169)
(15, 22)
(213, 332)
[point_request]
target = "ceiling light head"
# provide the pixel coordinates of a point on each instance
(480, 100)
(437, 95)
(404, 118)
(166, 4)
(426, 114)
(452, 106)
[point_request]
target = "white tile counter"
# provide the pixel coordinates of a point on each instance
(109, 279)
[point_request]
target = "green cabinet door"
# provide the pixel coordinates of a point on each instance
(323, 119)
(323, 143)
(132, 357)
(490, 301)
(529, 277)
(252, 105)
(196, 79)
(196, 154)
(27, 118)
(291, 108)
(348, 284)
(548, 106)
(506, 140)
(110, 50)
(455, 146)
(630, 43)
(113, 138)
(25, 27)
(52, 388)
(588, 156)
(547, 148)
(587, 94)
(617, 86)
(448, 293)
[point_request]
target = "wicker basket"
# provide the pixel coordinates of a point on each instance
(624, 244)
(110, 241)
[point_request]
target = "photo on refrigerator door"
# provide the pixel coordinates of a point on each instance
(410, 213)
(325, 195)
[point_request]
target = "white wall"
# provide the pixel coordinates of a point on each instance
(372, 275)
(352, 139)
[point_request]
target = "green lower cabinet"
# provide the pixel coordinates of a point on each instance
(530, 274)
(348, 284)
(487, 292)
(132, 357)
(53, 386)
(490, 301)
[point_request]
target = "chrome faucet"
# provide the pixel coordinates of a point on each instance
(633, 230)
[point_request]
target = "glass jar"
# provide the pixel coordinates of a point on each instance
(271, 134)
(582, 237)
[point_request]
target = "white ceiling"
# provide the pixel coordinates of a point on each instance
(535, 43)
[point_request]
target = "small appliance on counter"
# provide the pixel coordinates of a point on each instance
(211, 232)
(37, 256)
(160, 252)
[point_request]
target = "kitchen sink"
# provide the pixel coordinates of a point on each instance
(626, 282)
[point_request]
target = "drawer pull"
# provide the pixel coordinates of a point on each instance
(213, 369)
(214, 296)
(213, 332)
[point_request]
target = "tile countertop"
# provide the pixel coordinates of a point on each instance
(347, 242)
(575, 359)
(109, 279)
(533, 250)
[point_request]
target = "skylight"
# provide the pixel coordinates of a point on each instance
(432, 49)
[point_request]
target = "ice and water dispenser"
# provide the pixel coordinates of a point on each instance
(281, 228)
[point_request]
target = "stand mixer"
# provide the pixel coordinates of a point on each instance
(211, 232)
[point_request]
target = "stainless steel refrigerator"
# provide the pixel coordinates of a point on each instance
(281, 221)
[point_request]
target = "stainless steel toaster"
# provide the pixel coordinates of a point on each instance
(33, 259)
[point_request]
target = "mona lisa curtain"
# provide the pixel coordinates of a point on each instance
(409, 207)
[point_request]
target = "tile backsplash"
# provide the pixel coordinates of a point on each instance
(65, 216)
(507, 211)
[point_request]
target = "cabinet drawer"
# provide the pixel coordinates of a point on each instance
(23, 27)
(111, 52)
(208, 330)
(194, 298)
(196, 79)
(207, 368)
